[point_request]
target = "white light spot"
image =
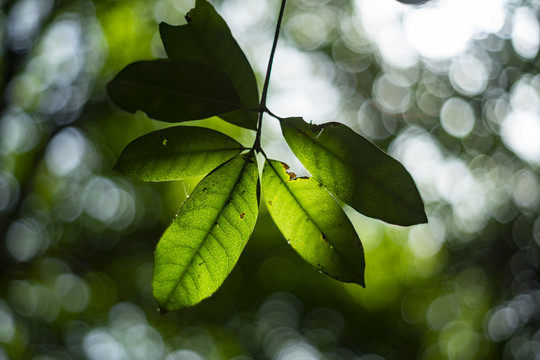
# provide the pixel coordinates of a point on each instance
(502, 324)
(445, 29)
(18, 132)
(526, 189)
(65, 151)
(25, 239)
(426, 240)
(62, 51)
(525, 94)
(99, 344)
(442, 311)
(395, 47)
(435, 33)
(469, 75)
(73, 292)
(457, 117)
(520, 131)
(525, 33)
(390, 95)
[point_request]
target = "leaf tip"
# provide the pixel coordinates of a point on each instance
(420, 218)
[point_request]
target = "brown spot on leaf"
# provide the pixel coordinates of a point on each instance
(242, 215)
(292, 176)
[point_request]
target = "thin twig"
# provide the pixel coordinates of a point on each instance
(262, 106)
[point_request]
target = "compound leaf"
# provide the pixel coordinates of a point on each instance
(176, 153)
(204, 242)
(173, 91)
(313, 223)
(207, 38)
(356, 171)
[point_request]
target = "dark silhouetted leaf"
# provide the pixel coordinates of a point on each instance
(176, 153)
(202, 245)
(356, 171)
(313, 223)
(207, 38)
(173, 91)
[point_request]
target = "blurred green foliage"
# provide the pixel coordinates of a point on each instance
(78, 238)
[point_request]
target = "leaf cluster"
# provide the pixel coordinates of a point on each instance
(207, 74)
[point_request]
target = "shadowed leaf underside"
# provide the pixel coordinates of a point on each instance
(176, 153)
(206, 38)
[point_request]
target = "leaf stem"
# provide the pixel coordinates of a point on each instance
(273, 115)
(262, 105)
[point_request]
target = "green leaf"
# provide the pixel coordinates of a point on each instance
(356, 171)
(173, 91)
(176, 153)
(207, 38)
(313, 223)
(204, 242)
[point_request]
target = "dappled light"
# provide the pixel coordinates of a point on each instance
(451, 89)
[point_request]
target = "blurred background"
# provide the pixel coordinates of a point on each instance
(451, 89)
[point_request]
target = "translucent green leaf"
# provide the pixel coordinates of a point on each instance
(356, 171)
(176, 153)
(207, 38)
(173, 91)
(202, 245)
(313, 223)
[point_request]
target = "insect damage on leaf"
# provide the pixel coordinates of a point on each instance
(292, 175)
(322, 126)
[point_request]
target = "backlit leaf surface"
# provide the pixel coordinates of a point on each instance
(176, 153)
(202, 245)
(207, 38)
(356, 171)
(313, 223)
(173, 91)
